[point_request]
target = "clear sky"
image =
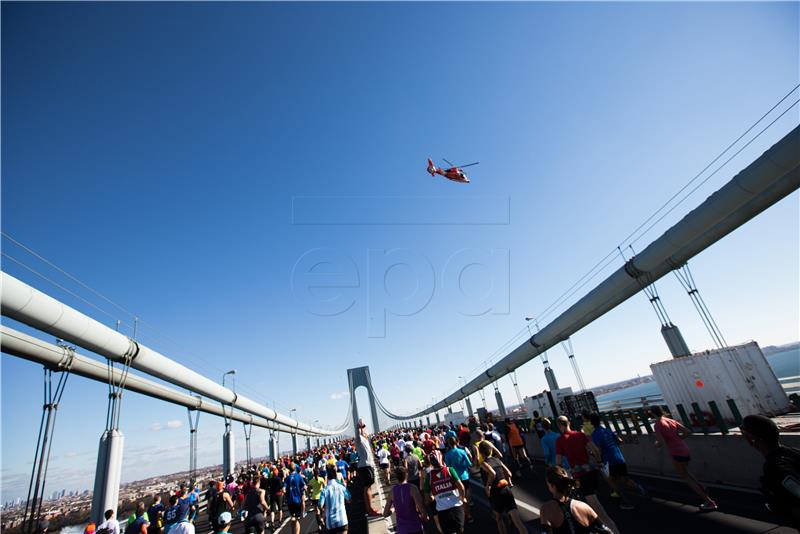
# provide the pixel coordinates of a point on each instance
(249, 179)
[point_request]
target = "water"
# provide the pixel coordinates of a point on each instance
(784, 363)
(639, 390)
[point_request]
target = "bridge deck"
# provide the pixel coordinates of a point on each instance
(671, 510)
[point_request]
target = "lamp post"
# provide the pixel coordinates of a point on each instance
(294, 432)
(232, 372)
(228, 447)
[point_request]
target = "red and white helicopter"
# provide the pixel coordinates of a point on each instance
(453, 173)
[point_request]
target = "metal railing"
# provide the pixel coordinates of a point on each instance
(631, 403)
(790, 384)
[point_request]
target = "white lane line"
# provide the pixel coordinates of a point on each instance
(522, 504)
(282, 525)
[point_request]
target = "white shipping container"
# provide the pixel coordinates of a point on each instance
(740, 373)
(540, 403)
(456, 417)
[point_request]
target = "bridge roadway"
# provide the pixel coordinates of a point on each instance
(671, 510)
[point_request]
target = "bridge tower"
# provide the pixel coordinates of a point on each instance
(356, 378)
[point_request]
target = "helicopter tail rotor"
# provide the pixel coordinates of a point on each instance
(431, 167)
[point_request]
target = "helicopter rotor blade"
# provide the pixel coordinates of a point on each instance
(445, 160)
(468, 165)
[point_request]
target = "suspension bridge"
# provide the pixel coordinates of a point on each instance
(92, 350)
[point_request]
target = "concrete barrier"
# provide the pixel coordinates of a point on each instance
(716, 458)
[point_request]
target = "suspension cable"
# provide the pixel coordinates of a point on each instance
(44, 442)
(685, 277)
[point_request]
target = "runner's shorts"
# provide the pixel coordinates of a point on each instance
(589, 481)
(366, 476)
(451, 520)
(295, 509)
(255, 523)
(502, 500)
(618, 470)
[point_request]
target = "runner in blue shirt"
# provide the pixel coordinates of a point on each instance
(342, 467)
(608, 443)
(548, 442)
(332, 504)
(295, 490)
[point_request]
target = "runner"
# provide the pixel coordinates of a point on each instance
(223, 522)
(295, 490)
(155, 515)
(516, 442)
(448, 495)
(781, 481)
(383, 460)
(460, 460)
(255, 505)
(221, 503)
(608, 443)
(672, 433)
(315, 487)
(583, 457)
(565, 515)
(412, 466)
(187, 501)
(498, 483)
(548, 442)
(537, 424)
(140, 524)
(343, 467)
(332, 503)
(366, 469)
(172, 516)
(406, 500)
(110, 525)
(275, 487)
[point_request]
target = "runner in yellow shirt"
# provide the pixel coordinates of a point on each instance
(315, 487)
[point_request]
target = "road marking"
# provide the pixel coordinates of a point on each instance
(282, 524)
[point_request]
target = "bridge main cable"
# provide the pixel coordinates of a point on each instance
(25, 304)
(21, 345)
(771, 177)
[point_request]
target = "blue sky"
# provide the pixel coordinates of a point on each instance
(189, 161)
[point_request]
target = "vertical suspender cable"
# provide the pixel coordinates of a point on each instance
(684, 276)
(44, 443)
(567, 346)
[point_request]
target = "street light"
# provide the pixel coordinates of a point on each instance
(528, 324)
(232, 372)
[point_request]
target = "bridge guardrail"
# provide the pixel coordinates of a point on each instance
(790, 384)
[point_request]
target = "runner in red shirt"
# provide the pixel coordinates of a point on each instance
(584, 459)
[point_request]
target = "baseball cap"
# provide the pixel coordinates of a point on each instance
(224, 518)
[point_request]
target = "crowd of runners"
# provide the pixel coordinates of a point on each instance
(433, 474)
